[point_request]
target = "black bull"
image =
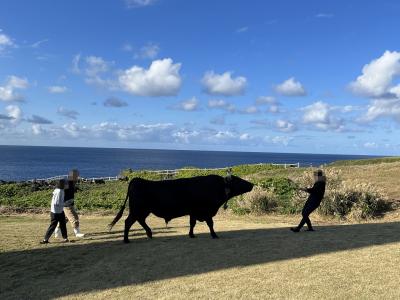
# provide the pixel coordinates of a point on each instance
(199, 197)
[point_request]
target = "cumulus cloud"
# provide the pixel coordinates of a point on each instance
(55, 89)
(280, 140)
(139, 3)
(161, 79)
(35, 119)
(273, 104)
(191, 104)
(96, 65)
(36, 129)
(285, 126)
(7, 91)
(382, 108)
(114, 102)
(221, 104)
(15, 113)
(377, 76)
(5, 42)
(69, 113)
(291, 88)
(319, 115)
(223, 84)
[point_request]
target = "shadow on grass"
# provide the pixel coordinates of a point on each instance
(55, 271)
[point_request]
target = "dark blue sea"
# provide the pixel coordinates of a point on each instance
(29, 162)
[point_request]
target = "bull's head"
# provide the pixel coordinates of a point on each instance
(236, 186)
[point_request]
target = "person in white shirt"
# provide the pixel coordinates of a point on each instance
(57, 215)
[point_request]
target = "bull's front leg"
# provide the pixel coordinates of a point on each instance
(192, 224)
(210, 224)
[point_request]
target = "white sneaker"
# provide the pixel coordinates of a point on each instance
(78, 233)
(57, 232)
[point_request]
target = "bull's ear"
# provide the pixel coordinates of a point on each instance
(229, 172)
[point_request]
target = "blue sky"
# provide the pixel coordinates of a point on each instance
(269, 76)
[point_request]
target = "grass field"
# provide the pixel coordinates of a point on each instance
(255, 257)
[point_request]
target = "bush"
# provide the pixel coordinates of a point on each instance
(257, 201)
(345, 199)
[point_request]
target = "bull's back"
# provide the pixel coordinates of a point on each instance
(178, 197)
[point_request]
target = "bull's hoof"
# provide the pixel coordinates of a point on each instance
(192, 236)
(215, 236)
(126, 241)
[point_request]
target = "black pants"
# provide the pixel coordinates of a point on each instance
(307, 210)
(54, 220)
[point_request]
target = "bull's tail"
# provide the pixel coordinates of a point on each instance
(121, 211)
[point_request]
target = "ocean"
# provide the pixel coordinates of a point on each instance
(29, 162)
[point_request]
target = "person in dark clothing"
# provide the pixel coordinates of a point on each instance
(69, 207)
(57, 215)
(314, 200)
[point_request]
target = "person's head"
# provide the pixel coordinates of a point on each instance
(60, 184)
(73, 175)
(319, 175)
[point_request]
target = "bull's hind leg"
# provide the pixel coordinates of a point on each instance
(142, 222)
(210, 224)
(128, 224)
(192, 224)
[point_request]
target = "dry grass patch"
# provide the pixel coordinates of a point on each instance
(255, 257)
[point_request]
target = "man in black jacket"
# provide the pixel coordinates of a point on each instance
(314, 200)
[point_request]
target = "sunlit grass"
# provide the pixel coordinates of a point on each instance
(255, 257)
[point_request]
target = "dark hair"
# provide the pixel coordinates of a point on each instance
(61, 183)
(319, 173)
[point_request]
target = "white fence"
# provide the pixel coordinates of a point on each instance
(160, 172)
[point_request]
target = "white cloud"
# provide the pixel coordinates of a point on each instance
(36, 129)
(281, 140)
(15, 113)
(5, 42)
(224, 84)
(291, 87)
(161, 79)
(285, 126)
(148, 51)
(55, 89)
(221, 104)
(319, 115)
(138, 3)
(250, 110)
(242, 29)
(377, 76)
(370, 145)
(188, 105)
(274, 109)
(72, 114)
(7, 91)
(75, 64)
(38, 43)
(324, 15)
(96, 65)
(382, 108)
(265, 100)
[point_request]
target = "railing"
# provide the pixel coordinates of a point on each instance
(159, 172)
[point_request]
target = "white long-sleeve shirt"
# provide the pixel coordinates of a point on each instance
(57, 202)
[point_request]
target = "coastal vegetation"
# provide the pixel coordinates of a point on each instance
(355, 190)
